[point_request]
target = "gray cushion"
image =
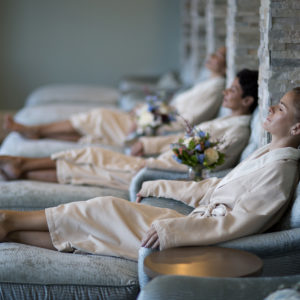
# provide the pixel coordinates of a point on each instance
(42, 114)
(291, 219)
(254, 140)
(15, 144)
(286, 294)
(27, 195)
(37, 266)
(168, 203)
(73, 93)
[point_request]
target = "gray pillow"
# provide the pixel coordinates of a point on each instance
(291, 219)
(286, 294)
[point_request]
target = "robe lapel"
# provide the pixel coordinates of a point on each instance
(258, 160)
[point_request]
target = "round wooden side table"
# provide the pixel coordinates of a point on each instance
(203, 262)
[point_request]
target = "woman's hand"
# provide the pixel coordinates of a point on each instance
(138, 198)
(132, 128)
(151, 239)
(137, 149)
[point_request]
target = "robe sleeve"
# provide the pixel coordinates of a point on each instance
(254, 211)
(189, 192)
(235, 143)
(158, 144)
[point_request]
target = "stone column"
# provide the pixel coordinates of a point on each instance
(215, 24)
(243, 36)
(193, 46)
(279, 53)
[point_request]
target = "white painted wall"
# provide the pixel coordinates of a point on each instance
(83, 41)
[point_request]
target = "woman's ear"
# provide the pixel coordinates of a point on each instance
(248, 101)
(295, 130)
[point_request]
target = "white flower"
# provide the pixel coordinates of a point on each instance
(186, 141)
(141, 109)
(145, 119)
(164, 109)
(211, 156)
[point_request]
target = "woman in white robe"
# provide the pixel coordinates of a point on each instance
(98, 166)
(248, 200)
(112, 126)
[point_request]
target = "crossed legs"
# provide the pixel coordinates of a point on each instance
(61, 130)
(25, 227)
(17, 167)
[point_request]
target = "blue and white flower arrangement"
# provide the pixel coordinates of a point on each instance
(197, 151)
(152, 115)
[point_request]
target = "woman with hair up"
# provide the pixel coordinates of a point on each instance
(250, 199)
(112, 126)
(98, 166)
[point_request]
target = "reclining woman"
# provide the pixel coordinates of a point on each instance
(248, 200)
(109, 126)
(98, 166)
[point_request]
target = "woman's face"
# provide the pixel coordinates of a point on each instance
(233, 95)
(216, 62)
(281, 117)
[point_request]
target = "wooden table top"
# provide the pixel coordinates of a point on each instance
(203, 262)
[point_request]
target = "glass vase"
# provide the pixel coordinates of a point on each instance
(195, 173)
(150, 131)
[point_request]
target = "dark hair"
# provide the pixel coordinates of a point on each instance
(248, 80)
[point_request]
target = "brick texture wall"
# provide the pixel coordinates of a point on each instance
(279, 53)
(243, 37)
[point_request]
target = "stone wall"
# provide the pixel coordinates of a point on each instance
(279, 53)
(203, 31)
(215, 16)
(193, 46)
(243, 36)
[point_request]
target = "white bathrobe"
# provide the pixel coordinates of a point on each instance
(248, 200)
(98, 166)
(112, 126)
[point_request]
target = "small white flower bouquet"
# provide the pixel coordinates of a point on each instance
(152, 115)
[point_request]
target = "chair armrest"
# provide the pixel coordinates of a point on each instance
(219, 174)
(268, 245)
(278, 250)
(143, 277)
(147, 174)
(189, 288)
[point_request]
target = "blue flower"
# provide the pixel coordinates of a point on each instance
(151, 108)
(172, 117)
(177, 159)
(198, 147)
(200, 158)
(201, 134)
(207, 144)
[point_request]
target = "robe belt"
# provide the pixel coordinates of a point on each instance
(212, 210)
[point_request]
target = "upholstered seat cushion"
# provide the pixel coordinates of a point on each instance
(73, 93)
(42, 114)
(27, 195)
(28, 272)
(15, 144)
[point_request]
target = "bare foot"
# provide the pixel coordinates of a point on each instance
(10, 125)
(3, 226)
(10, 167)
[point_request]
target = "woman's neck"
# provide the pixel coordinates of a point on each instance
(281, 142)
(239, 112)
(216, 74)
